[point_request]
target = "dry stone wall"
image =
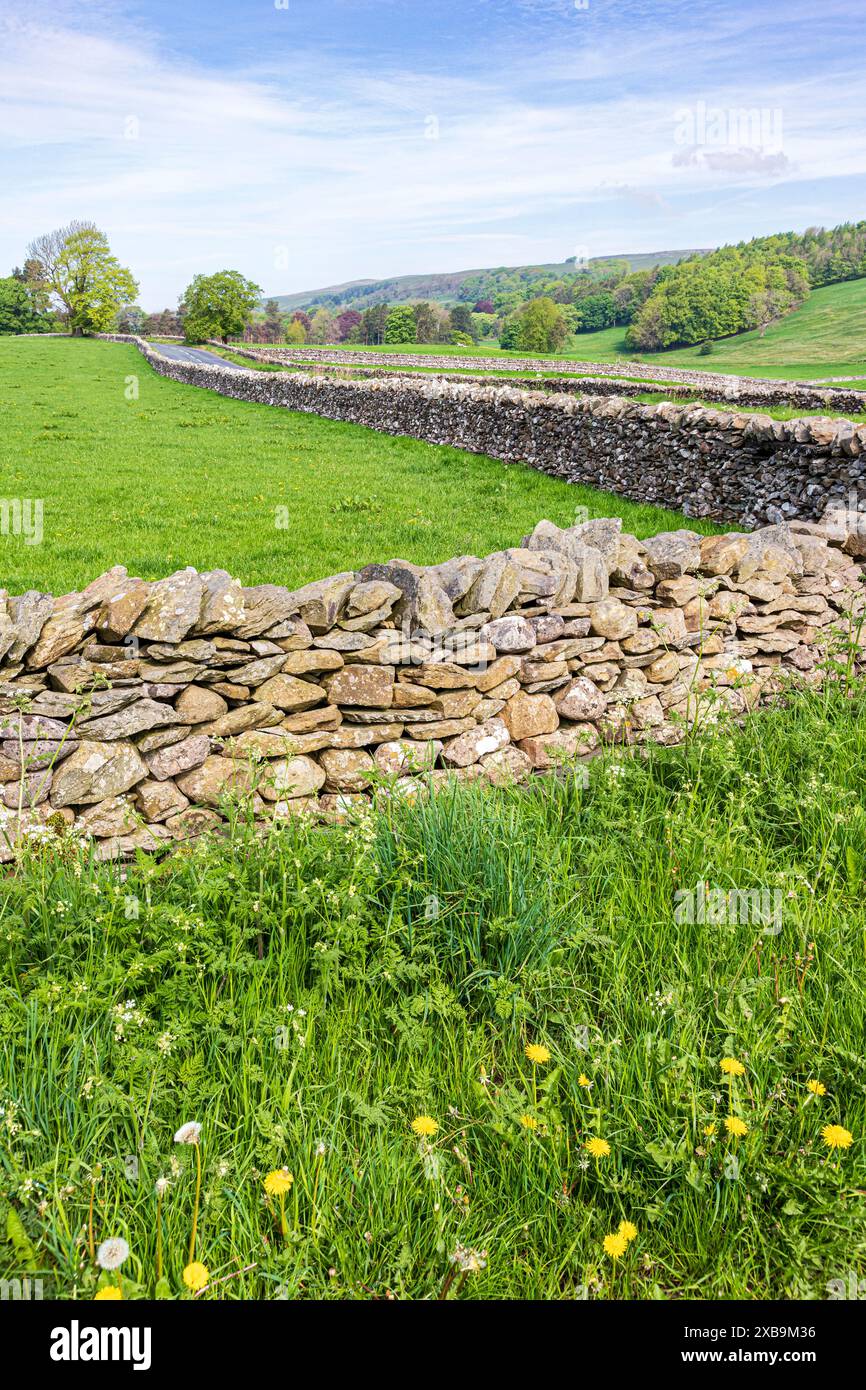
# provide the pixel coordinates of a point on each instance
(728, 465)
(133, 712)
(599, 379)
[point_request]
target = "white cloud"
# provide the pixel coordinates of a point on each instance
(331, 172)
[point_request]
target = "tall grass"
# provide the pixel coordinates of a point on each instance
(306, 996)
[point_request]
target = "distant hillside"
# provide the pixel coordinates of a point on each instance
(464, 286)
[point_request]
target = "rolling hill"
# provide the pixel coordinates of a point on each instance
(448, 286)
(825, 337)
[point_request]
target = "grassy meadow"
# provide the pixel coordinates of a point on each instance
(305, 999)
(179, 476)
(477, 1032)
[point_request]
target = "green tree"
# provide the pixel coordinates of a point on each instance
(321, 328)
(461, 321)
(295, 332)
(426, 322)
(219, 306)
(77, 268)
(400, 326)
(539, 326)
(17, 314)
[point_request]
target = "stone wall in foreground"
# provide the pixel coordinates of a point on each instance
(131, 711)
(731, 466)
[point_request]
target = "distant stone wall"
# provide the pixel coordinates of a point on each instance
(736, 391)
(777, 391)
(133, 712)
(731, 466)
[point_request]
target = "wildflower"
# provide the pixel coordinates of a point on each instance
(709, 1131)
(111, 1291)
(529, 1122)
(161, 1186)
(188, 1133)
(731, 1067)
(583, 1080)
(196, 1275)
(628, 1230)
(469, 1261)
(615, 1245)
(599, 1148)
(112, 1253)
(537, 1053)
(424, 1126)
(278, 1182)
(835, 1137)
(734, 1125)
(484, 1077)
(816, 1087)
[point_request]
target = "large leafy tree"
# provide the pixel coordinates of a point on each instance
(17, 313)
(400, 324)
(540, 326)
(219, 306)
(75, 266)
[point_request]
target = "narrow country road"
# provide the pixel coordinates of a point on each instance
(191, 354)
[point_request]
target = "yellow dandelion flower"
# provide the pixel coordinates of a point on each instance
(731, 1067)
(529, 1122)
(583, 1080)
(599, 1148)
(196, 1275)
(424, 1126)
(734, 1125)
(615, 1245)
(835, 1137)
(709, 1130)
(628, 1230)
(277, 1183)
(816, 1087)
(537, 1053)
(111, 1291)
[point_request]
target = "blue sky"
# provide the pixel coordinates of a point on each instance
(315, 141)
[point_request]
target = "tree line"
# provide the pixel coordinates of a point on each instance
(71, 280)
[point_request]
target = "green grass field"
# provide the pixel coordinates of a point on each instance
(826, 337)
(181, 476)
(305, 998)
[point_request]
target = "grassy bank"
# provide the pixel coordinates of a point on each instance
(135, 468)
(306, 999)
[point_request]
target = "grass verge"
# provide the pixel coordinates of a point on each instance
(307, 997)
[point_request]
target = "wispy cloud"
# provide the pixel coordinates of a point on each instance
(307, 155)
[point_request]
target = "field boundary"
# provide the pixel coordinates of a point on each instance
(133, 711)
(727, 466)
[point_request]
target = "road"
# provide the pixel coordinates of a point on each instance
(191, 354)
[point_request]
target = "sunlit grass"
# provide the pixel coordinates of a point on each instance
(307, 998)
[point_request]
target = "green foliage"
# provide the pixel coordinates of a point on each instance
(540, 326)
(218, 306)
(76, 266)
(400, 324)
(218, 470)
(17, 311)
(305, 995)
(715, 296)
